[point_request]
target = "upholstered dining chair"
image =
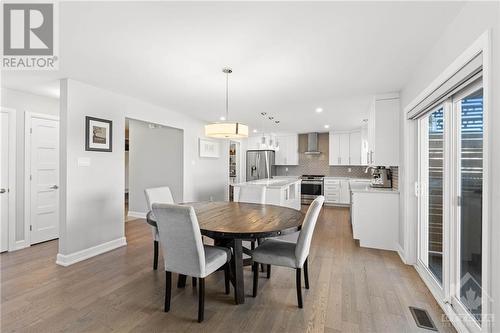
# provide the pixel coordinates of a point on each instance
(184, 251)
(294, 255)
(157, 195)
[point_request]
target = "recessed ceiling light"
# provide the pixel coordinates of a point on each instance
(319, 110)
(255, 131)
(327, 126)
(222, 118)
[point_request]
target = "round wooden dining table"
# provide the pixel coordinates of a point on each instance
(230, 223)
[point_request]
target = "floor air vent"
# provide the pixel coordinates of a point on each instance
(422, 318)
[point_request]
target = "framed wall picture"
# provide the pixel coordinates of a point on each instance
(209, 148)
(98, 134)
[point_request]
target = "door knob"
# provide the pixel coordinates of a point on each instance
(2, 190)
(54, 187)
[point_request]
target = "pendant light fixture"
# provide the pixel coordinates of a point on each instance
(227, 129)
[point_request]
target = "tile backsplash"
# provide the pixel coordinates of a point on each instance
(319, 164)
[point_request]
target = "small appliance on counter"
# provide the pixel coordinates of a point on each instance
(381, 177)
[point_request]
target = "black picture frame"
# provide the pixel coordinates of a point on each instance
(89, 133)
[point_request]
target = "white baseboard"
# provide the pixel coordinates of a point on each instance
(18, 245)
(139, 215)
(402, 255)
(73, 258)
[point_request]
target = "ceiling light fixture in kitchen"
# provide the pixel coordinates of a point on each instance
(228, 129)
(319, 110)
(327, 126)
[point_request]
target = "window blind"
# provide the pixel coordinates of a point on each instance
(469, 73)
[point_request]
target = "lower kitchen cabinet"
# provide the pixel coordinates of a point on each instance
(336, 191)
(374, 218)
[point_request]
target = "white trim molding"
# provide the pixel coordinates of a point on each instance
(139, 215)
(70, 259)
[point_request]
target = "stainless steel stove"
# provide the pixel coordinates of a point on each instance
(311, 188)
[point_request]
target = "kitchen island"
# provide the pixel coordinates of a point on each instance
(279, 191)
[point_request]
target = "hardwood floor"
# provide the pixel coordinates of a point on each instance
(353, 289)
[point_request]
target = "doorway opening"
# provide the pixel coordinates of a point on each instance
(234, 166)
(154, 157)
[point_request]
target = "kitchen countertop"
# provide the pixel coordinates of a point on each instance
(271, 183)
(365, 187)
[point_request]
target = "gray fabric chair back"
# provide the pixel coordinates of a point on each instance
(180, 239)
(252, 194)
(158, 195)
(306, 233)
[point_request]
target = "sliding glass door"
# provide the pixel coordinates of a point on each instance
(432, 191)
(469, 295)
(452, 203)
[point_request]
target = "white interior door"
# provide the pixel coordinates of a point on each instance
(4, 181)
(43, 196)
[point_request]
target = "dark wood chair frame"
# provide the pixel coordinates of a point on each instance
(298, 282)
(181, 283)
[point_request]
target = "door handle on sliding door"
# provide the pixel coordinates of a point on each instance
(54, 187)
(2, 190)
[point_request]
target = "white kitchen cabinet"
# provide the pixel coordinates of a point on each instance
(253, 142)
(288, 153)
(374, 219)
(383, 131)
(355, 148)
(364, 144)
(345, 148)
(336, 191)
(339, 148)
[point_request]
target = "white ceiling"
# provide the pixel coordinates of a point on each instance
(288, 58)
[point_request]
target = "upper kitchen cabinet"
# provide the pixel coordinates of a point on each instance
(254, 142)
(288, 152)
(364, 144)
(345, 148)
(383, 131)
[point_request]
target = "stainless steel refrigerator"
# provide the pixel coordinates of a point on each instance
(260, 164)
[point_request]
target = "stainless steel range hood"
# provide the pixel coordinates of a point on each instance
(312, 144)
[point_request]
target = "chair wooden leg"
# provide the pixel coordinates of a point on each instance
(155, 255)
(298, 275)
(181, 282)
(201, 300)
(306, 275)
(193, 282)
(227, 278)
(268, 271)
(255, 278)
(168, 290)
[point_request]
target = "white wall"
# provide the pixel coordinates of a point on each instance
(156, 159)
(92, 197)
(470, 23)
(22, 102)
